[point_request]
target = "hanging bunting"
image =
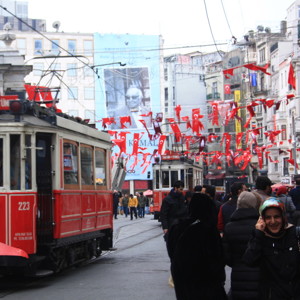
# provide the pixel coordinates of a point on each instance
(177, 112)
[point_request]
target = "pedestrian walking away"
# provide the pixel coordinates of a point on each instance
(172, 210)
(195, 249)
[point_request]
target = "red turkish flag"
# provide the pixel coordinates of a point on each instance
(292, 78)
(227, 89)
(161, 142)
(123, 120)
(177, 111)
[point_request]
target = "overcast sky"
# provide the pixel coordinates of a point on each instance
(179, 22)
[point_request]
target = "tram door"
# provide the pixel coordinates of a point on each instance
(44, 187)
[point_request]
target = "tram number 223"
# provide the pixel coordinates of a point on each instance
(24, 205)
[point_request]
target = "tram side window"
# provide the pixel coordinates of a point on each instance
(70, 163)
(28, 184)
(165, 179)
(15, 165)
(157, 179)
(1, 162)
(100, 167)
(86, 161)
(174, 177)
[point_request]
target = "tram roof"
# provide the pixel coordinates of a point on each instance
(60, 122)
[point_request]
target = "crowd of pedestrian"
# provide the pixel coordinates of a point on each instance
(135, 206)
(253, 231)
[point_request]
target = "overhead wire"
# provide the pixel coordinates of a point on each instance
(212, 35)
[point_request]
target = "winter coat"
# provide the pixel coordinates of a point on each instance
(133, 202)
(279, 262)
(173, 209)
(142, 201)
(125, 201)
(244, 279)
(289, 206)
(197, 263)
(295, 194)
(225, 212)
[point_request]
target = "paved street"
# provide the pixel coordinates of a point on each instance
(138, 268)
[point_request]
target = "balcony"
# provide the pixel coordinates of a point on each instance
(213, 96)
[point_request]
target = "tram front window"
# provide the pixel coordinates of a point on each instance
(15, 162)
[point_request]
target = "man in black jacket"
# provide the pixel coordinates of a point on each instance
(172, 210)
(173, 207)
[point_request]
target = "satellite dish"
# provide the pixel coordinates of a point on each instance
(260, 28)
(56, 25)
(268, 30)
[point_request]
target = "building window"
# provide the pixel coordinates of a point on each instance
(88, 48)
(55, 47)
(283, 132)
(215, 90)
(166, 93)
(166, 74)
(38, 47)
(21, 45)
(262, 55)
(72, 46)
(73, 93)
(72, 70)
(276, 164)
(38, 69)
(285, 166)
(89, 93)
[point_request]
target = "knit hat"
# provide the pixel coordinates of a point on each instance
(272, 202)
(248, 200)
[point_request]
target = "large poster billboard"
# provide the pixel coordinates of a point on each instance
(128, 92)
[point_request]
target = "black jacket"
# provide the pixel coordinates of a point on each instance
(173, 209)
(197, 262)
(237, 232)
(279, 261)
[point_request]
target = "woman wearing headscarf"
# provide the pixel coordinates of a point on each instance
(274, 248)
(237, 232)
(195, 249)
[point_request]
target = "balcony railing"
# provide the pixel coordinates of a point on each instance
(213, 96)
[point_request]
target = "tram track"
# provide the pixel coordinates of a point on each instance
(10, 285)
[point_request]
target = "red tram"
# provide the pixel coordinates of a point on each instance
(55, 189)
(167, 170)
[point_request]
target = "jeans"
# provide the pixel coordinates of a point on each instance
(126, 210)
(133, 210)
